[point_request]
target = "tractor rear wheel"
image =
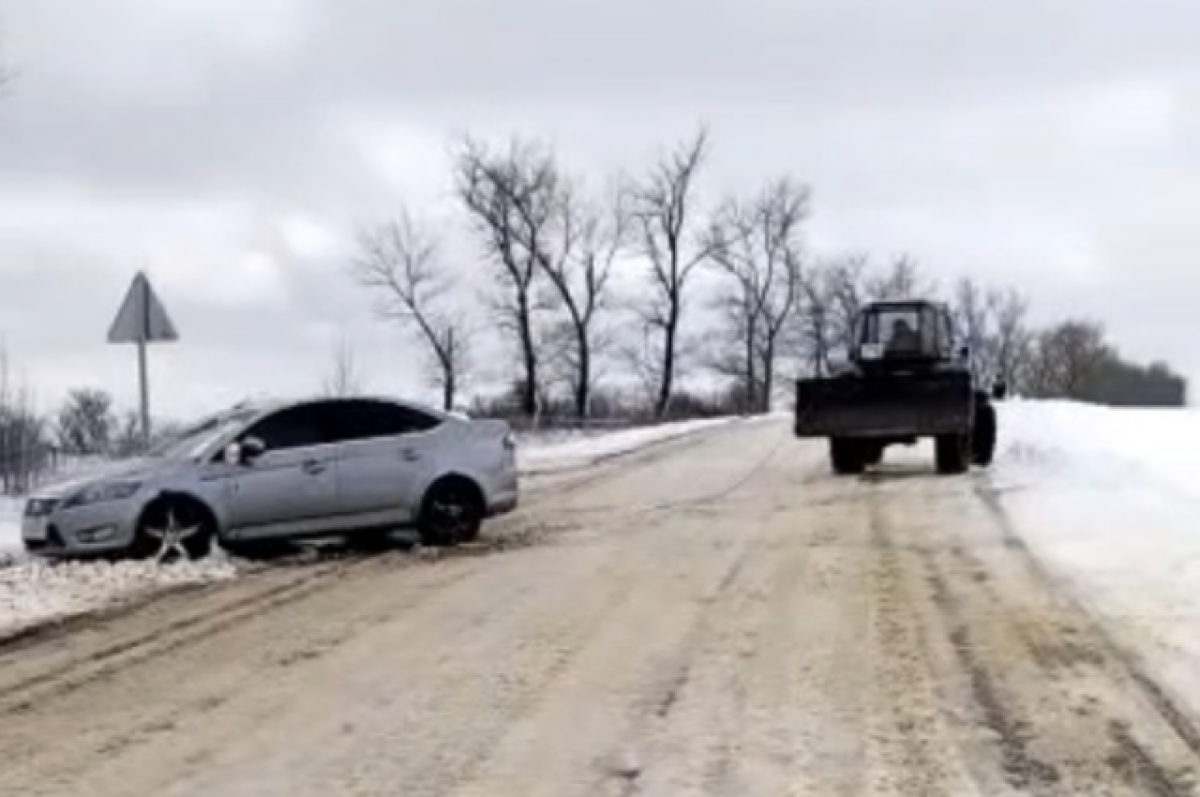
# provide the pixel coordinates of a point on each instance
(846, 456)
(952, 453)
(983, 437)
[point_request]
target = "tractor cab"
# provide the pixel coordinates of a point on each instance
(904, 332)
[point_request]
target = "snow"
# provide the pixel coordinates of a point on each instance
(34, 591)
(10, 527)
(1107, 499)
(542, 452)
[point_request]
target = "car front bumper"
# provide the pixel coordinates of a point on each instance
(47, 529)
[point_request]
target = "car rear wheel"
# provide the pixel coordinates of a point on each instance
(173, 530)
(452, 513)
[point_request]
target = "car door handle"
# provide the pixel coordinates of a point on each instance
(410, 455)
(313, 467)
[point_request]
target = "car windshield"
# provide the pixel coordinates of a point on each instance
(191, 441)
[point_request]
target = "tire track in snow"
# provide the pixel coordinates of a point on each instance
(1155, 741)
(1047, 705)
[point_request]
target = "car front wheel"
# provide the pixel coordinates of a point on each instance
(172, 530)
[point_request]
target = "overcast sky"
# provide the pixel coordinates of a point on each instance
(232, 148)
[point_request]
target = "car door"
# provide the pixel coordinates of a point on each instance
(293, 486)
(385, 458)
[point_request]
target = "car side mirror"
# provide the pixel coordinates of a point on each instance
(964, 352)
(999, 391)
(245, 452)
(252, 449)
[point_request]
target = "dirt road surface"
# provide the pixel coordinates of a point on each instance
(718, 617)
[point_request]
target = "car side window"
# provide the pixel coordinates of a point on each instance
(294, 427)
(360, 419)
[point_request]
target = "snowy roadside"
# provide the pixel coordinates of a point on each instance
(556, 451)
(1107, 500)
(34, 592)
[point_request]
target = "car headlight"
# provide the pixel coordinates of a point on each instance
(98, 493)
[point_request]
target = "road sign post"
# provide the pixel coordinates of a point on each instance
(142, 320)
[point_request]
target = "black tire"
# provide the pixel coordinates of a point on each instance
(872, 454)
(173, 529)
(952, 453)
(983, 438)
(451, 513)
(846, 456)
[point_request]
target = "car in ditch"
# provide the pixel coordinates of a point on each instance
(260, 474)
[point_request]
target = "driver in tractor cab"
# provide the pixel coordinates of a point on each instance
(904, 339)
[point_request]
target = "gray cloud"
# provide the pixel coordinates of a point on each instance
(233, 147)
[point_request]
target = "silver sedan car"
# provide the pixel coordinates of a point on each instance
(256, 475)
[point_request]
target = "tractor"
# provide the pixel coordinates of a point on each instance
(905, 379)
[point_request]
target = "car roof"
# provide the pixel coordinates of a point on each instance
(264, 407)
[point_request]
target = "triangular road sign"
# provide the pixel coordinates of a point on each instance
(142, 317)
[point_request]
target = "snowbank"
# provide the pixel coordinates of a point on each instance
(538, 453)
(32, 592)
(10, 527)
(1075, 440)
(1107, 498)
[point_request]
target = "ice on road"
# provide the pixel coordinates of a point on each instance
(716, 617)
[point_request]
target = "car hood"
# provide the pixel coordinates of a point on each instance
(137, 468)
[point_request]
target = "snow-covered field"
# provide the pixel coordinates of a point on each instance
(34, 591)
(564, 450)
(1109, 500)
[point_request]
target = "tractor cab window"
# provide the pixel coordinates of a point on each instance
(901, 331)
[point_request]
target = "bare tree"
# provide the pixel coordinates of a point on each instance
(128, 437)
(971, 313)
(901, 280)
(812, 332)
(343, 378)
(583, 241)
(846, 291)
(25, 455)
(86, 423)
(758, 247)
(669, 234)
(1013, 336)
(992, 323)
(514, 199)
(1067, 360)
(401, 261)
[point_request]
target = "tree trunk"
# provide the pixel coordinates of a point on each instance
(449, 388)
(529, 388)
(768, 380)
(751, 388)
(583, 376)
(666, 385)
